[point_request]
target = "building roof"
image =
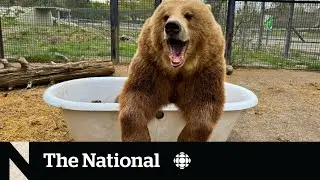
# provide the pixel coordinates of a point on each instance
(52, 8)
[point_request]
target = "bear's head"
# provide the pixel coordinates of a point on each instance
(185, 32)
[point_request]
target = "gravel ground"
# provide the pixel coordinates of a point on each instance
(288, 109)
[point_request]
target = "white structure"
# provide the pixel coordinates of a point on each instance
(40, 15)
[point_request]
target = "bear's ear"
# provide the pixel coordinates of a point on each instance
(169, 0)
(182, 0)
(209, 6)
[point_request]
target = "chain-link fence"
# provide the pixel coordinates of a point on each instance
(43, 30)
(277, 34)
(264, 34)
(132, 15)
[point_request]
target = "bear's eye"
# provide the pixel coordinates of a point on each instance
(188, 16)
(166, 17)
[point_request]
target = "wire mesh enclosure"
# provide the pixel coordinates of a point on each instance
(272, 34)
(132, 15)
(277, 34)
(55, 30)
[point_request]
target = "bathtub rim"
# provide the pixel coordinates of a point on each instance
(52, 100)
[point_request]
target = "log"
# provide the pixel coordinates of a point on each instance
(31, 74)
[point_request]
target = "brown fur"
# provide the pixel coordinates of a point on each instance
(197, 88)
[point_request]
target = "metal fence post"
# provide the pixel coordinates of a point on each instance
(157, 3)
(1, 41)
(114, 18)
(288, 34)
(263, 7)
(229, 30)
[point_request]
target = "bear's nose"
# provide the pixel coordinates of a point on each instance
(172, 27)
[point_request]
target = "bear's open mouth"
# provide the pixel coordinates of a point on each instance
(177, 51)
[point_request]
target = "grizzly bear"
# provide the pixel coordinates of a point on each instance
(179, 60)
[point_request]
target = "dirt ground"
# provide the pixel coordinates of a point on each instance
(288, 109)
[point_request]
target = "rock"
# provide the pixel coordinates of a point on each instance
(127, 38)
(229, 69)
(55, 40)
(313, 84)
(282, 139)
(61, 56)
(34, 123)
(258, 113)
(301, 66)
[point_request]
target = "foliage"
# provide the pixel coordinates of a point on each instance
(98, 5)
(135, 10)
(9, 16)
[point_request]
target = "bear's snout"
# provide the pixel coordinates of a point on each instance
(172, 28)
(175, 29)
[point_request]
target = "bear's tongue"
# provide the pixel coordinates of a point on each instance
(176, 53)
(177, 49)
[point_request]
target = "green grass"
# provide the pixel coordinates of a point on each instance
(43, 43)
(273, 59)
(9, 21)
(314, 67)
(277, 33)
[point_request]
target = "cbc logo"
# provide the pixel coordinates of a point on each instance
(182, 160)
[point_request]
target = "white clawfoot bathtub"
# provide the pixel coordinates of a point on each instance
(89, 121)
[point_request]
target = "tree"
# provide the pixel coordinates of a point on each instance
(137, 8)
(28, 3)
(76, 3)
